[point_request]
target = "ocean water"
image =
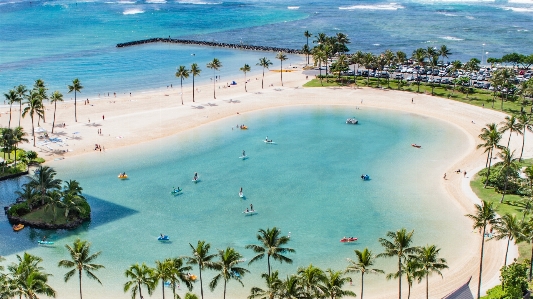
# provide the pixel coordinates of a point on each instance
(58, 40)
(307, 184)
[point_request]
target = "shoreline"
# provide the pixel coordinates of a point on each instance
(164, 118)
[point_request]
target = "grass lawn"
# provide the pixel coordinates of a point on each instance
(46, 216)
(477, 97)
(510, 205)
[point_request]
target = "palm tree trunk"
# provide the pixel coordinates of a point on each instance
(15, 157)
(481, 262)
(488, 171)
(32, 131)
(268, 263)
(140, 291)
(362, 284)
(79, 272)
(263, 79)
(400, 278)
(281, 63)
(487, 162)
(181, 93)
(9, 124)
(75, 111)
(509, 141)
(201, 283)
(505, 186)
(408, 290)
(427, 285)
(20, 111)
(507, 250)
(193, 88)
(163, 287)
(53, 122)
(523, 142)
(531, 262)
(225, 289)
(214, 88)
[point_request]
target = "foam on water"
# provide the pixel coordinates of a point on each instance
(391, 6)
(452, 38)
(133, 11)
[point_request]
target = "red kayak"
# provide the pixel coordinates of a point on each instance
(346, 240)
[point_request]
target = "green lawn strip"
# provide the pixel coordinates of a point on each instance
(509, 205)
(46, 216)
(477, 97)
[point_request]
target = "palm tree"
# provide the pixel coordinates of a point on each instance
(246, 68)
(264, 63)
(76, 87)
(306, 51)
(163, 270)
(81, 260)
(35, 107)
(509, 164)
(292, 289)
(526, 231)
(412, 270)
(40, 88)
(202, 258)
(140, 275)
(485, 215)
(307, 35)
(214, 65)
(182, 73)
(56, 97)
(310, 278)
(190, 296)
(271, 246)
(356, 59)
(195, 71)
(53, 199)
(419, 56)
(508, 227)
(11, 97)
(282, 57)
(18, 136)
(228, 268)
(491, 137)
(274, 285)
(179, 273)
(429, 261)
(511, 124)
(28, 278)
(333, 284)
(399, 246)
(444, 52)
(525, 123)
(29, 194)
(365, 260)
(71, 202)
(44, 180)
(21, 95)
(319, 56)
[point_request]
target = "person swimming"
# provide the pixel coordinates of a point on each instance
(195, 176)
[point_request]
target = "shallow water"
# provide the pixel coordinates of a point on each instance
(307, 183)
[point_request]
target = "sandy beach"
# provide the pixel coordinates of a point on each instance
(142, 117)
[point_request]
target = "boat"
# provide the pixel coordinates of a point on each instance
(348, 240)
(352, 121)
(122, 176)
(416, 145)
(18, 227)
(163, 238)
(244, 128)
(45, 242)
(365, 177)
(176, 191)
(249, 212)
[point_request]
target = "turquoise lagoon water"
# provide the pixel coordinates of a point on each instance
(307, 184)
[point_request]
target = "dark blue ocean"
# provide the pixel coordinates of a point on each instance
(60, 40)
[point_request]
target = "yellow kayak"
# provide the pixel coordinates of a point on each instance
(122, 177)
(18, 227)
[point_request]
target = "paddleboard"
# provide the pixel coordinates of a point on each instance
(243, 157)
(45, 242)
(241, 195)
(268, 142)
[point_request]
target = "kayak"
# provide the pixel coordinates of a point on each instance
(18, 227)
(268, 142)
(241, 195)
(347, 240)
(45, 242)
(252, 212)
(163, 238)
(176, 191)
(243, 157)
(122, 177)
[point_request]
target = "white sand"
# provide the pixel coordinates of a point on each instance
(155, 114)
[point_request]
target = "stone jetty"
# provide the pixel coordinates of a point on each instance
(210, 44)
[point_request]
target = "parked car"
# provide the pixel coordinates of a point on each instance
(445, 81)
(410, 78)
(398, 76)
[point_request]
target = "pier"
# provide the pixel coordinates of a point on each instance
(209, 44)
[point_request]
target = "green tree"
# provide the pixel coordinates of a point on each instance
(56, 97)
(365, 260)
(271, 246)
(28, 278)
(398, 245)
(140, 276)
(444, 52)
(430, 262)
(182, 73)
(333, 285)
(310, 278)
(307, 35)
(509, 165)
(273, 284)
(319, 56)
(81, 260)
(282, 57)
(508, 228)
(491, 136)
(291, 288)
(485, 215)
(163, 270)
(215, 65)
(34, 107)
(18, 137)
(202, 258)
(511, 125)
(179, 273)
(11, 98)
(53, 202)
(265, 63)
(76, 87)
(245, 69)
(228, 268)
(22, 93)
(44, 180)
(195, 71)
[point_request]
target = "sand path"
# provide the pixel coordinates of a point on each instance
(150, 115)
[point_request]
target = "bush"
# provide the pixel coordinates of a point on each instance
(19, 209)
(495, 293)
(497, 179)
(85, 210)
